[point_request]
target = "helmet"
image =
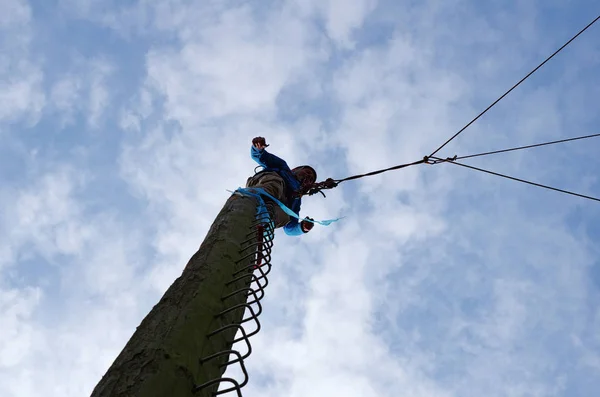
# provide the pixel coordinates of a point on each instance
(305, 174)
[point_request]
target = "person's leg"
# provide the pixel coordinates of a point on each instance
(273, 184)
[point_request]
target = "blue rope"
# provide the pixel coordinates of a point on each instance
(258, 192)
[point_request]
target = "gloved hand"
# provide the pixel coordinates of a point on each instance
(259, 142)
(307, 226)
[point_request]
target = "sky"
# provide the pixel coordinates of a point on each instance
(123, 124)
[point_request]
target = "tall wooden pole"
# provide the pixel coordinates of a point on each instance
(162, 358)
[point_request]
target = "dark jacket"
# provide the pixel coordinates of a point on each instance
(270, 162)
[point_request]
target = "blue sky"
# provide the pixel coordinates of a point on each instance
(124, 124)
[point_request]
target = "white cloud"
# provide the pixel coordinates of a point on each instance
(34, 217)
(65, 95)
(18, 333)
(21, 94)
(236, 65)
(343, 17)
(98, 94)
(16, 13)
(82, 90)
(66, 273)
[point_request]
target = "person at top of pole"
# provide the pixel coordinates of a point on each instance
(283, 183)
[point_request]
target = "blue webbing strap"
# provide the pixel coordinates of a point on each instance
(257, 192)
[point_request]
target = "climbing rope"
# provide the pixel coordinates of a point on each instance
(516, 85)
(525, 147)
(451, 161)
(332, 183)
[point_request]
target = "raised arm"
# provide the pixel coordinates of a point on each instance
(264, 158)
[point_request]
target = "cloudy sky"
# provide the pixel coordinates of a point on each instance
(124, 123)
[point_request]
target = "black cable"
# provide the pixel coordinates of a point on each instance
(525, 147)
(397, 167)
(516, 85)
(524, 181)
(334, 183)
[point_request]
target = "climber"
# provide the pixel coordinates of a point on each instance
(283, 183)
